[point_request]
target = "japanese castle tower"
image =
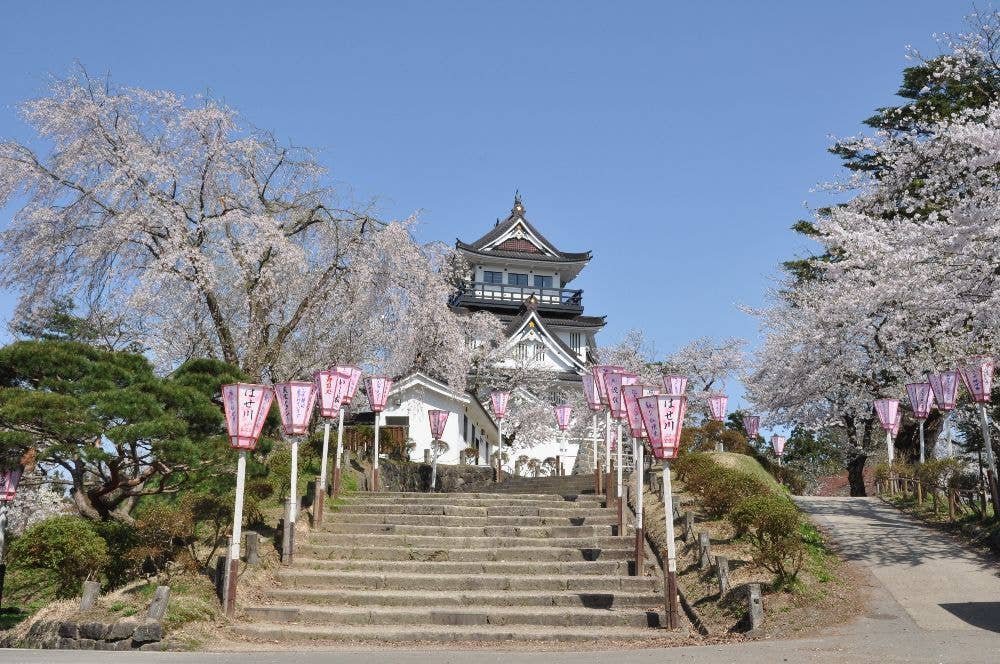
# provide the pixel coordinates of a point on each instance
(522, 278)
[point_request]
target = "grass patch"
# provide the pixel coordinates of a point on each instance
(748, 465)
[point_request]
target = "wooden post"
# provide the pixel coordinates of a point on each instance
(755, 606)
(319, 495)
(220, 578)
(288, 534)
(231, 576)
(3, 575)
(253, 550)
(951, 505)
(91, 589)
(670, 563)
(704, 552)
(688, 525)
(427, 456)
(722, 567)
(158, 607)
(920, 492)
(597, 479)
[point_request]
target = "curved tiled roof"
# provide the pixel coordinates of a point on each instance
(517, 216)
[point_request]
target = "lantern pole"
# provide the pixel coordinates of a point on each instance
(3, 535)
(295, 480)
(607, 455)
(434, 465)
(233, 568)
(920, 423)
(637, 454)
(321, 493)
(378, 417)
(671, 581)
(597, 462)
(618, 479)
(991, 470)
(340, 453)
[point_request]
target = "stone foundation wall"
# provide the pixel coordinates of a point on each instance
(91, 635)
(408, 476)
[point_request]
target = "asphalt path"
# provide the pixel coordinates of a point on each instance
(931, 601)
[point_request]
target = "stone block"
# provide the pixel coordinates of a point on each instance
(66, 643)
(91, 589)
(69, 630)
(92, 630)
(147, 632)
(152, 647)
(704, 552)
(158, 605)
(87, 644)
(755, 607)
(120, 630)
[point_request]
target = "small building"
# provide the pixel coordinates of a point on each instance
(470, 424)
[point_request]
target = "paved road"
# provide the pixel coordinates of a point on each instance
(941, 585)
(931, 602)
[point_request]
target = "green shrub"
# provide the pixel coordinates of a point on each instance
(771, 524)
(726, 488)
(66, 546)
(120, 538)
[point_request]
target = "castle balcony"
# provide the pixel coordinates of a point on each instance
(478, 294)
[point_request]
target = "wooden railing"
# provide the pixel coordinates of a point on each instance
(960, 501)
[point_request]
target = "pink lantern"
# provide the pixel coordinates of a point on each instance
(887, 410)
(778, 444)
(296, 400)
(663, 419)
(614, 383)
(563, 414)
(600, 374)
(591, 392)
(348, 377)
(8, 484)
(329, 385)
(438, 420)
(378, 391)
(894, 431)
(977, 374)
(246, 407)
(500, 399)
(921, 399)
(675, 383)
(631, 395)
(751, 423)
(945, 388)
(717, 403)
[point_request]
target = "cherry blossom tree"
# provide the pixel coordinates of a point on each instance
(201, 235)
(908, 273)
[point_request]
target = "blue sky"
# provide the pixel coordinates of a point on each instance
(678, 141)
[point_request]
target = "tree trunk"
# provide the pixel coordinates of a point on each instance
(855, 475)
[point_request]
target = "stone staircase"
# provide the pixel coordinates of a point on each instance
(562, 485)
(462, 567)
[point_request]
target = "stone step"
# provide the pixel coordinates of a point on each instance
(466, 531)
(483, 542)
(456, 615)
(283, 632)
(579, 567)
(495, 501)
(451, 498)
(470, 598)
(440, 520)
(449, 510)
(299, 578)
(513, 553)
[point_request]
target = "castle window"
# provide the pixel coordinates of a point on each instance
(575, 341)
(492, 277)
(543, 282)
(517, 279)
(539, 352)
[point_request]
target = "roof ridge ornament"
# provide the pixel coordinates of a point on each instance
(518, 208)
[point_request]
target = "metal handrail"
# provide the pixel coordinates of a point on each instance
(508, 293)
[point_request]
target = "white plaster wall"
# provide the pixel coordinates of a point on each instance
(417, 402)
